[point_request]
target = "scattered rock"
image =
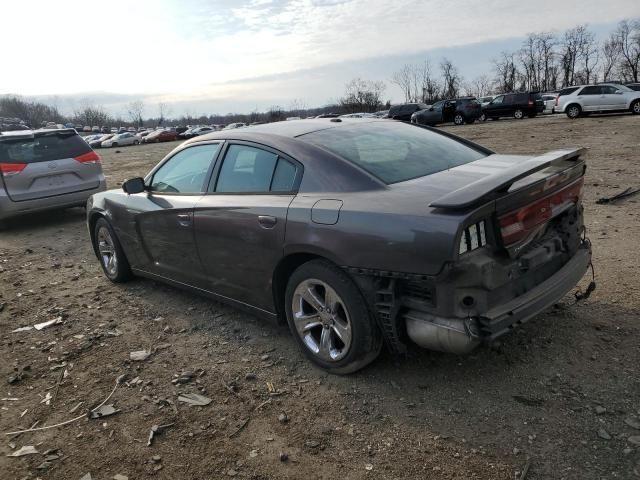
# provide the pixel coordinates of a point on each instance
(635, 440)
(194, 399)
(312, 444)
(368, 467)
(44, 466)
(231, 472)
(120, 477)
(26, 450)
(602, 433)
(600, 410)
(282, 418)
(156, 459)
(250, 376)
(86, 476)
(265, 357)
(103, 411)
(632, 422)
(140, 355)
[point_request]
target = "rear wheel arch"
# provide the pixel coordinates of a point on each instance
(93, 219)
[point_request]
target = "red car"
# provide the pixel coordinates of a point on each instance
(161, 136)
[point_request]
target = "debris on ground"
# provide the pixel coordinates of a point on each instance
(119, 477)
(194, 399)
(86, 476)
(43, 325)
(103, 411)
(156, 430)
(614, 198)
(26, 450)
(140, 355)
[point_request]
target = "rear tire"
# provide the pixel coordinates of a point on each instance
(573, 111)
(635, 107)
(330, 319)
(113, 261)
(458, 119)
(518, 114)
(483, 118)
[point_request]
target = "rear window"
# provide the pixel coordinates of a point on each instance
(567, 91)
(394, 152)
(42, 148)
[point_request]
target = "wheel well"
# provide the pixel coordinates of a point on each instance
(93, 219)
(281, 275)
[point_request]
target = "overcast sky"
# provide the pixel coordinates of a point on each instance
(222, 56)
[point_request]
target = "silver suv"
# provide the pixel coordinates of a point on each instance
(576, 101)
(45, 169)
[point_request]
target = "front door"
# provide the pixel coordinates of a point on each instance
(164, 215)
(240, 224)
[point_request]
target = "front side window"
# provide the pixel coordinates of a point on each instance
(247, 169)
(186, 171)
(438, 106)
(394, 152)
(608, 90)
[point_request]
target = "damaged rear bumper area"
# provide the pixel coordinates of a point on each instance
(461, 335)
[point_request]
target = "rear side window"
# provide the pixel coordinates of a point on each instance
(394, 152)
(247, 169)
(42, 148)
(567, 91)
(590, 91)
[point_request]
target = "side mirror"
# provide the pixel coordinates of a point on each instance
(134, 185)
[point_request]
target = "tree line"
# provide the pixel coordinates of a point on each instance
(545, 62)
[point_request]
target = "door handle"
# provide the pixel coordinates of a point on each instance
(184, 219)
(267, 221)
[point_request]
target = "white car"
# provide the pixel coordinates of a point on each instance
(121, 139)
(576, 101)
(234, 125)
(549, 100)
(201, 131)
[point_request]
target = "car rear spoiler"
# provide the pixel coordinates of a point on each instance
(31, 134)
(480, 191)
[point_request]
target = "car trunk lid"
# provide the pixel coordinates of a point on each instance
(47, 163)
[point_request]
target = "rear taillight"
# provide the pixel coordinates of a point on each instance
(89, 157)
(9, 169)
(473, 237)
(531, 103)
(557, 100)
(517, 225)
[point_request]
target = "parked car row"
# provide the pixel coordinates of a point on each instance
(586, 99)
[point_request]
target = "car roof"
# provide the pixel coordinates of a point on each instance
(290, 129)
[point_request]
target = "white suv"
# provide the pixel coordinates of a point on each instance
(574, 101)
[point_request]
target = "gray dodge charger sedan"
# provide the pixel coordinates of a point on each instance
(358, 233)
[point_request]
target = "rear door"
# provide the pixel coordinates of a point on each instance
(47, 164)
(240, 224)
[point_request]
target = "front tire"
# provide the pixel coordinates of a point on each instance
(112, 258)
(329, 318)
(573, 111)
(113, 145)
(635, 107)
(483, 118)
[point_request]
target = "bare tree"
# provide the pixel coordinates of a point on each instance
(506, 72)
(403, 79)
(480, 86)
(589, 57)
(134, 111)
(610, 54)
(628, 37)
(362, 96)
(297, 106)
(575, 43)
(91, 115)
(164, 111)
(451, 79)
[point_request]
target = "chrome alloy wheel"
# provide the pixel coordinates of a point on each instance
(636, 107)
(107, 251)
(321, 320)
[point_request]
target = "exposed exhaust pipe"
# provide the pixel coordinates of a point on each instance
(450, 335)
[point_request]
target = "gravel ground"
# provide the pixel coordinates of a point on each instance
(561, 395)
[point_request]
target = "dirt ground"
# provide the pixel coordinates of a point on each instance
(561, 395)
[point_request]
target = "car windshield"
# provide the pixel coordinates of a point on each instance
(394, 151)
